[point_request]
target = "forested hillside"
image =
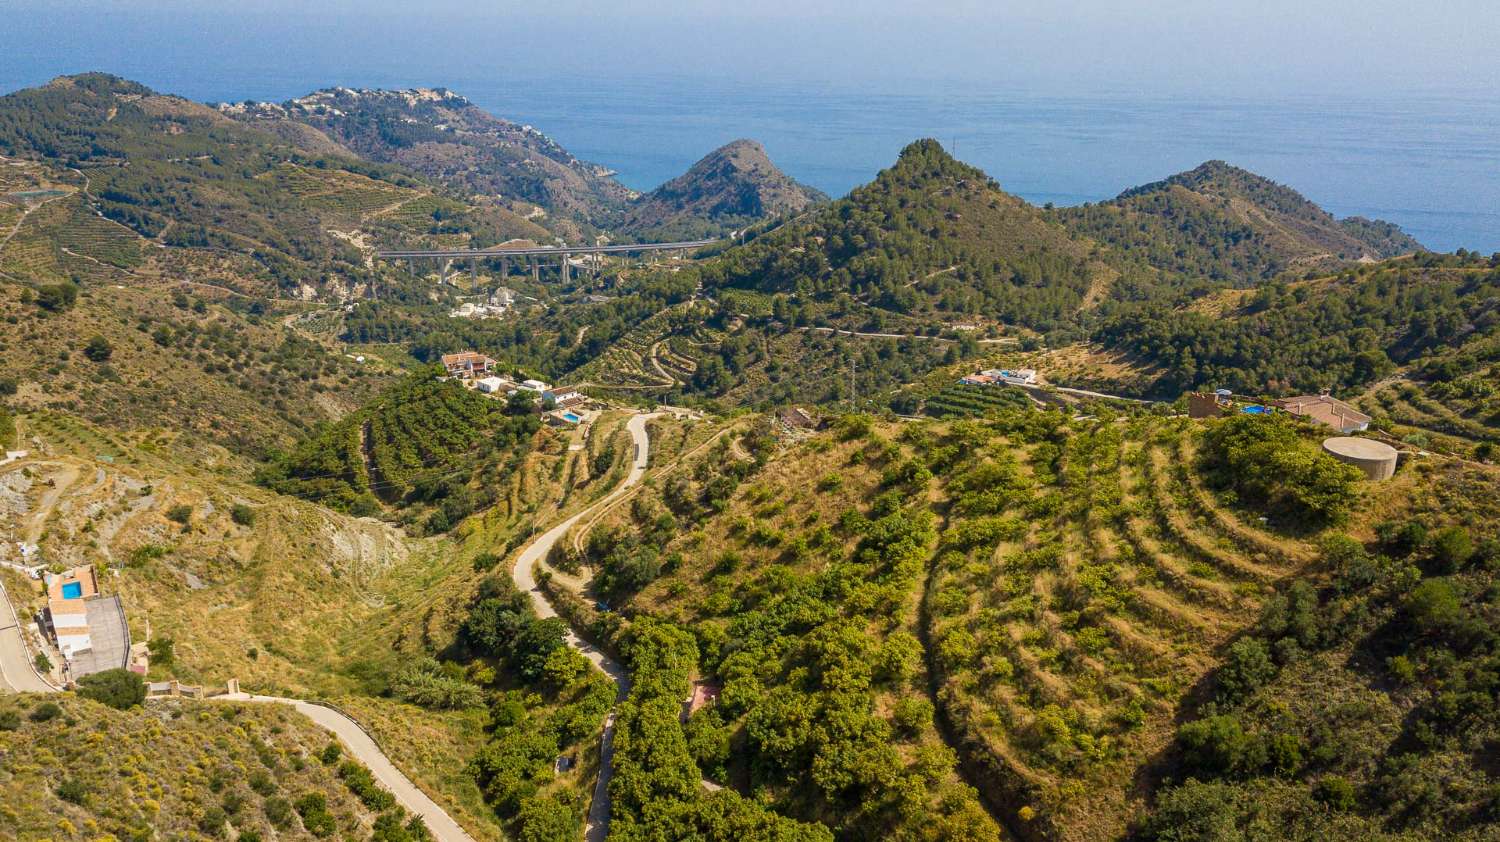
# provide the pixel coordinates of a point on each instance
(1337, 333)
(930, 235)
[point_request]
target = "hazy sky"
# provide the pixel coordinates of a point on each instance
(1252, 47)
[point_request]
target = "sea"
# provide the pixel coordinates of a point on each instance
(1427, 160)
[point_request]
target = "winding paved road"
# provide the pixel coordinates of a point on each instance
(597, 827)
(363, 748)
(17, 674)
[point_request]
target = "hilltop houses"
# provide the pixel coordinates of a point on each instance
(1001, 377)
(88, 628)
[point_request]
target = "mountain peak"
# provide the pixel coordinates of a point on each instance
(730, 186)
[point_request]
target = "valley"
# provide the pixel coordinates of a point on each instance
(921, 513)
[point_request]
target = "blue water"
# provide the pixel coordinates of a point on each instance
(72, 590)
(1429, 162)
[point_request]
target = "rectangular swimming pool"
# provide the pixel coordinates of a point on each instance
(72, 590)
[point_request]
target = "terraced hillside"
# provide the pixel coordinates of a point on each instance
(1079, 593)
(1087, 583)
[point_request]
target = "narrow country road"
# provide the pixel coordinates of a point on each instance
(17, 674)
(364, 749)
(597, 827)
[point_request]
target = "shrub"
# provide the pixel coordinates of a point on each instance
(242, 514)
(161, 649)
(1336, 792)
(57, 297)
(181, 513)
(1433, 606)
(1451, 549)
(9, 720)
(261, 784)
(1248, 669)
(98, 349)
(121, 689)
(362, 784)
(73, 791)
(45, 712)
(1219, 745)
(485, 562)
(278, 812)
(331, 754)
(212, 822)
(313, 808)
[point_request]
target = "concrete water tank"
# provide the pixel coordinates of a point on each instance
(1376, 459)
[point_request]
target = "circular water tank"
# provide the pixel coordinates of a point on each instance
(1376, 459)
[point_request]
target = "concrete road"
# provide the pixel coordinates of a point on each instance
(362, 747)
(597, 827)
(17, 672)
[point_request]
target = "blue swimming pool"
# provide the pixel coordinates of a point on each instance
(72, 590)
(571, 418)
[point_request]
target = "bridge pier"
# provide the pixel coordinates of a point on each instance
(536, 270)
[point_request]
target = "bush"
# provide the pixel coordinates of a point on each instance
(161, 649)
(362, 784)
(73, 791)
(242, 514)
(45, 712)
(121, 689)
(181, 513)
(98, 349)
(331, 754)
(9, 720)
(1219, 745)
(313, 808)
(278, 812)
(1248, 669)
(57, 297)
(1336, 792)
(212, 822)
(1433, 606)
(1451, 549)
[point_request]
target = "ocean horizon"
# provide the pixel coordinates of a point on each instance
(1423, 160)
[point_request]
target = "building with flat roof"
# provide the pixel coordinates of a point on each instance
(491, 385)
(89, 629)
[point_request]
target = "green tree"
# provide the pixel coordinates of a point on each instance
(57, 297)
(119, 688)
(1451, 549)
